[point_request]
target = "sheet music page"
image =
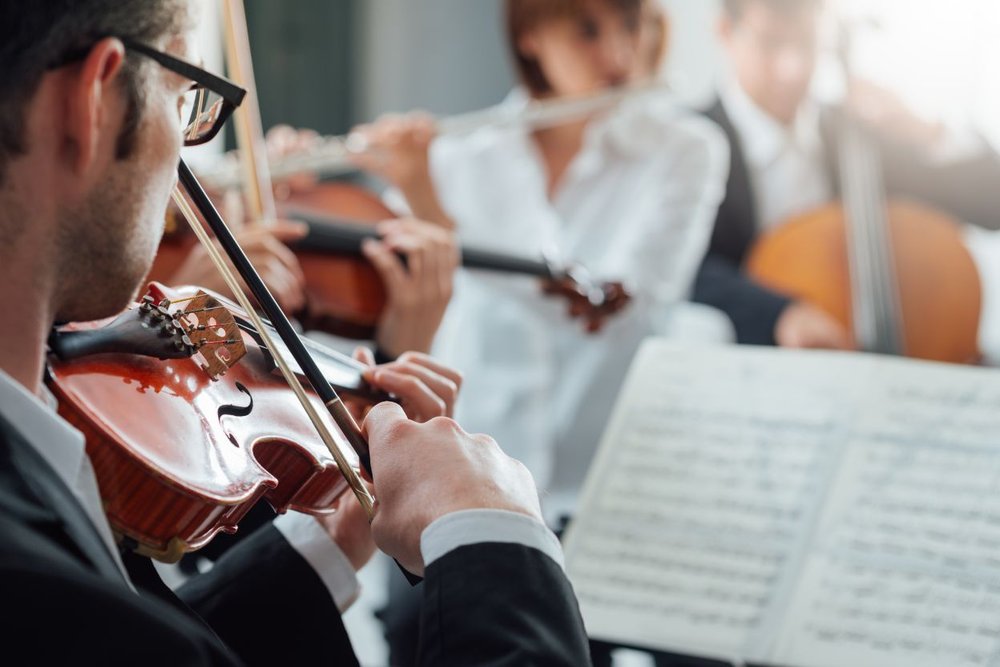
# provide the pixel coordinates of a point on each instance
(695, 513)
(905, 566)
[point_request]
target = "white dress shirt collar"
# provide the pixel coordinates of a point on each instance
(61, 445)
(764, 139)
(63, 448)
(787, 166)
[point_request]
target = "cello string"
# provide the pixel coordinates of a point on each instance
(867, 221)
(888, 302)
(863, 296)
(353, 479)
(878, 252)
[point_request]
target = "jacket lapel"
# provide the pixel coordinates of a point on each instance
(737, 225)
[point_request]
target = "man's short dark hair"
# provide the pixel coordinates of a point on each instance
(736, 8)
(36, 35)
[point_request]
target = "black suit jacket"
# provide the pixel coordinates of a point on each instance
(64, 601)
(966, 189)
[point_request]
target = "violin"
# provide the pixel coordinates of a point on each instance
(187, 423)
(345, 295)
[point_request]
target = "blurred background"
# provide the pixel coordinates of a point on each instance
(328, 64)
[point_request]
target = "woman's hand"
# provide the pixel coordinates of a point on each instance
(396, 148)
(285, 141)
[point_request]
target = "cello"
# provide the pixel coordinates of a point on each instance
(894, 273)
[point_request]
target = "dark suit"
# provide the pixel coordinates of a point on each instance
(966, 189)
(65, 602)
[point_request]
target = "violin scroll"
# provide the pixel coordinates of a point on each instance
(594, 303)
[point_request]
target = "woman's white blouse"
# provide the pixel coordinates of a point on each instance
(637, 204)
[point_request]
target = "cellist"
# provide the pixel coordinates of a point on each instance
(783, 157)
(90, 133)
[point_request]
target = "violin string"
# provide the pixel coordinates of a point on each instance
(210, 309)
(353, 479)
(185, 300)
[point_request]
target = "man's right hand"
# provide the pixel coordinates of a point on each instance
(424, 471)
(803, 325)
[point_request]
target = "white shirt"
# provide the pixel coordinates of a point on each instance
(636, 204)
(787, 165)
(63, 448)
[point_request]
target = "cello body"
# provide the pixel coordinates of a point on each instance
(939, 293)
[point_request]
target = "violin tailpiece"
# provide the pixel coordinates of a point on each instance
(214, 333)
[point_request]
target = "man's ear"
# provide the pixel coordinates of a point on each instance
(94, 109)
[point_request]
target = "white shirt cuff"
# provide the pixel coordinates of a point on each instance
(312, 542)
(460, 529)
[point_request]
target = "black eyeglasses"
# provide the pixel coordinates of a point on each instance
(207, 106)
(210, 102)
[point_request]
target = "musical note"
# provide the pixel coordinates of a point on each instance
(905, 568)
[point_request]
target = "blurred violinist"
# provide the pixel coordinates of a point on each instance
(591, 189)
(415, 260)
(629, 193)
(90, 134)
(784, 162)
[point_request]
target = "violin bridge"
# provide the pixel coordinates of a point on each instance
(214, 333)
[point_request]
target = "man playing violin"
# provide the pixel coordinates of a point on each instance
(782, 163)
(90, 133)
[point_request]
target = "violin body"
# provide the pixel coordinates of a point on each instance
(180, 456)
(344, 293)
(938, 284)
(345, 296)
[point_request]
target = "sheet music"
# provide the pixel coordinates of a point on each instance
(695, 513)
(796, 508)
(905, 567)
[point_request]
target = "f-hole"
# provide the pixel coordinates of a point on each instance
(233, 410)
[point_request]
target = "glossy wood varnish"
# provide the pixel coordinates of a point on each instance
(173, 472)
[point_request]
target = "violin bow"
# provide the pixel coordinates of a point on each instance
(334, 404)
(250, 141)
